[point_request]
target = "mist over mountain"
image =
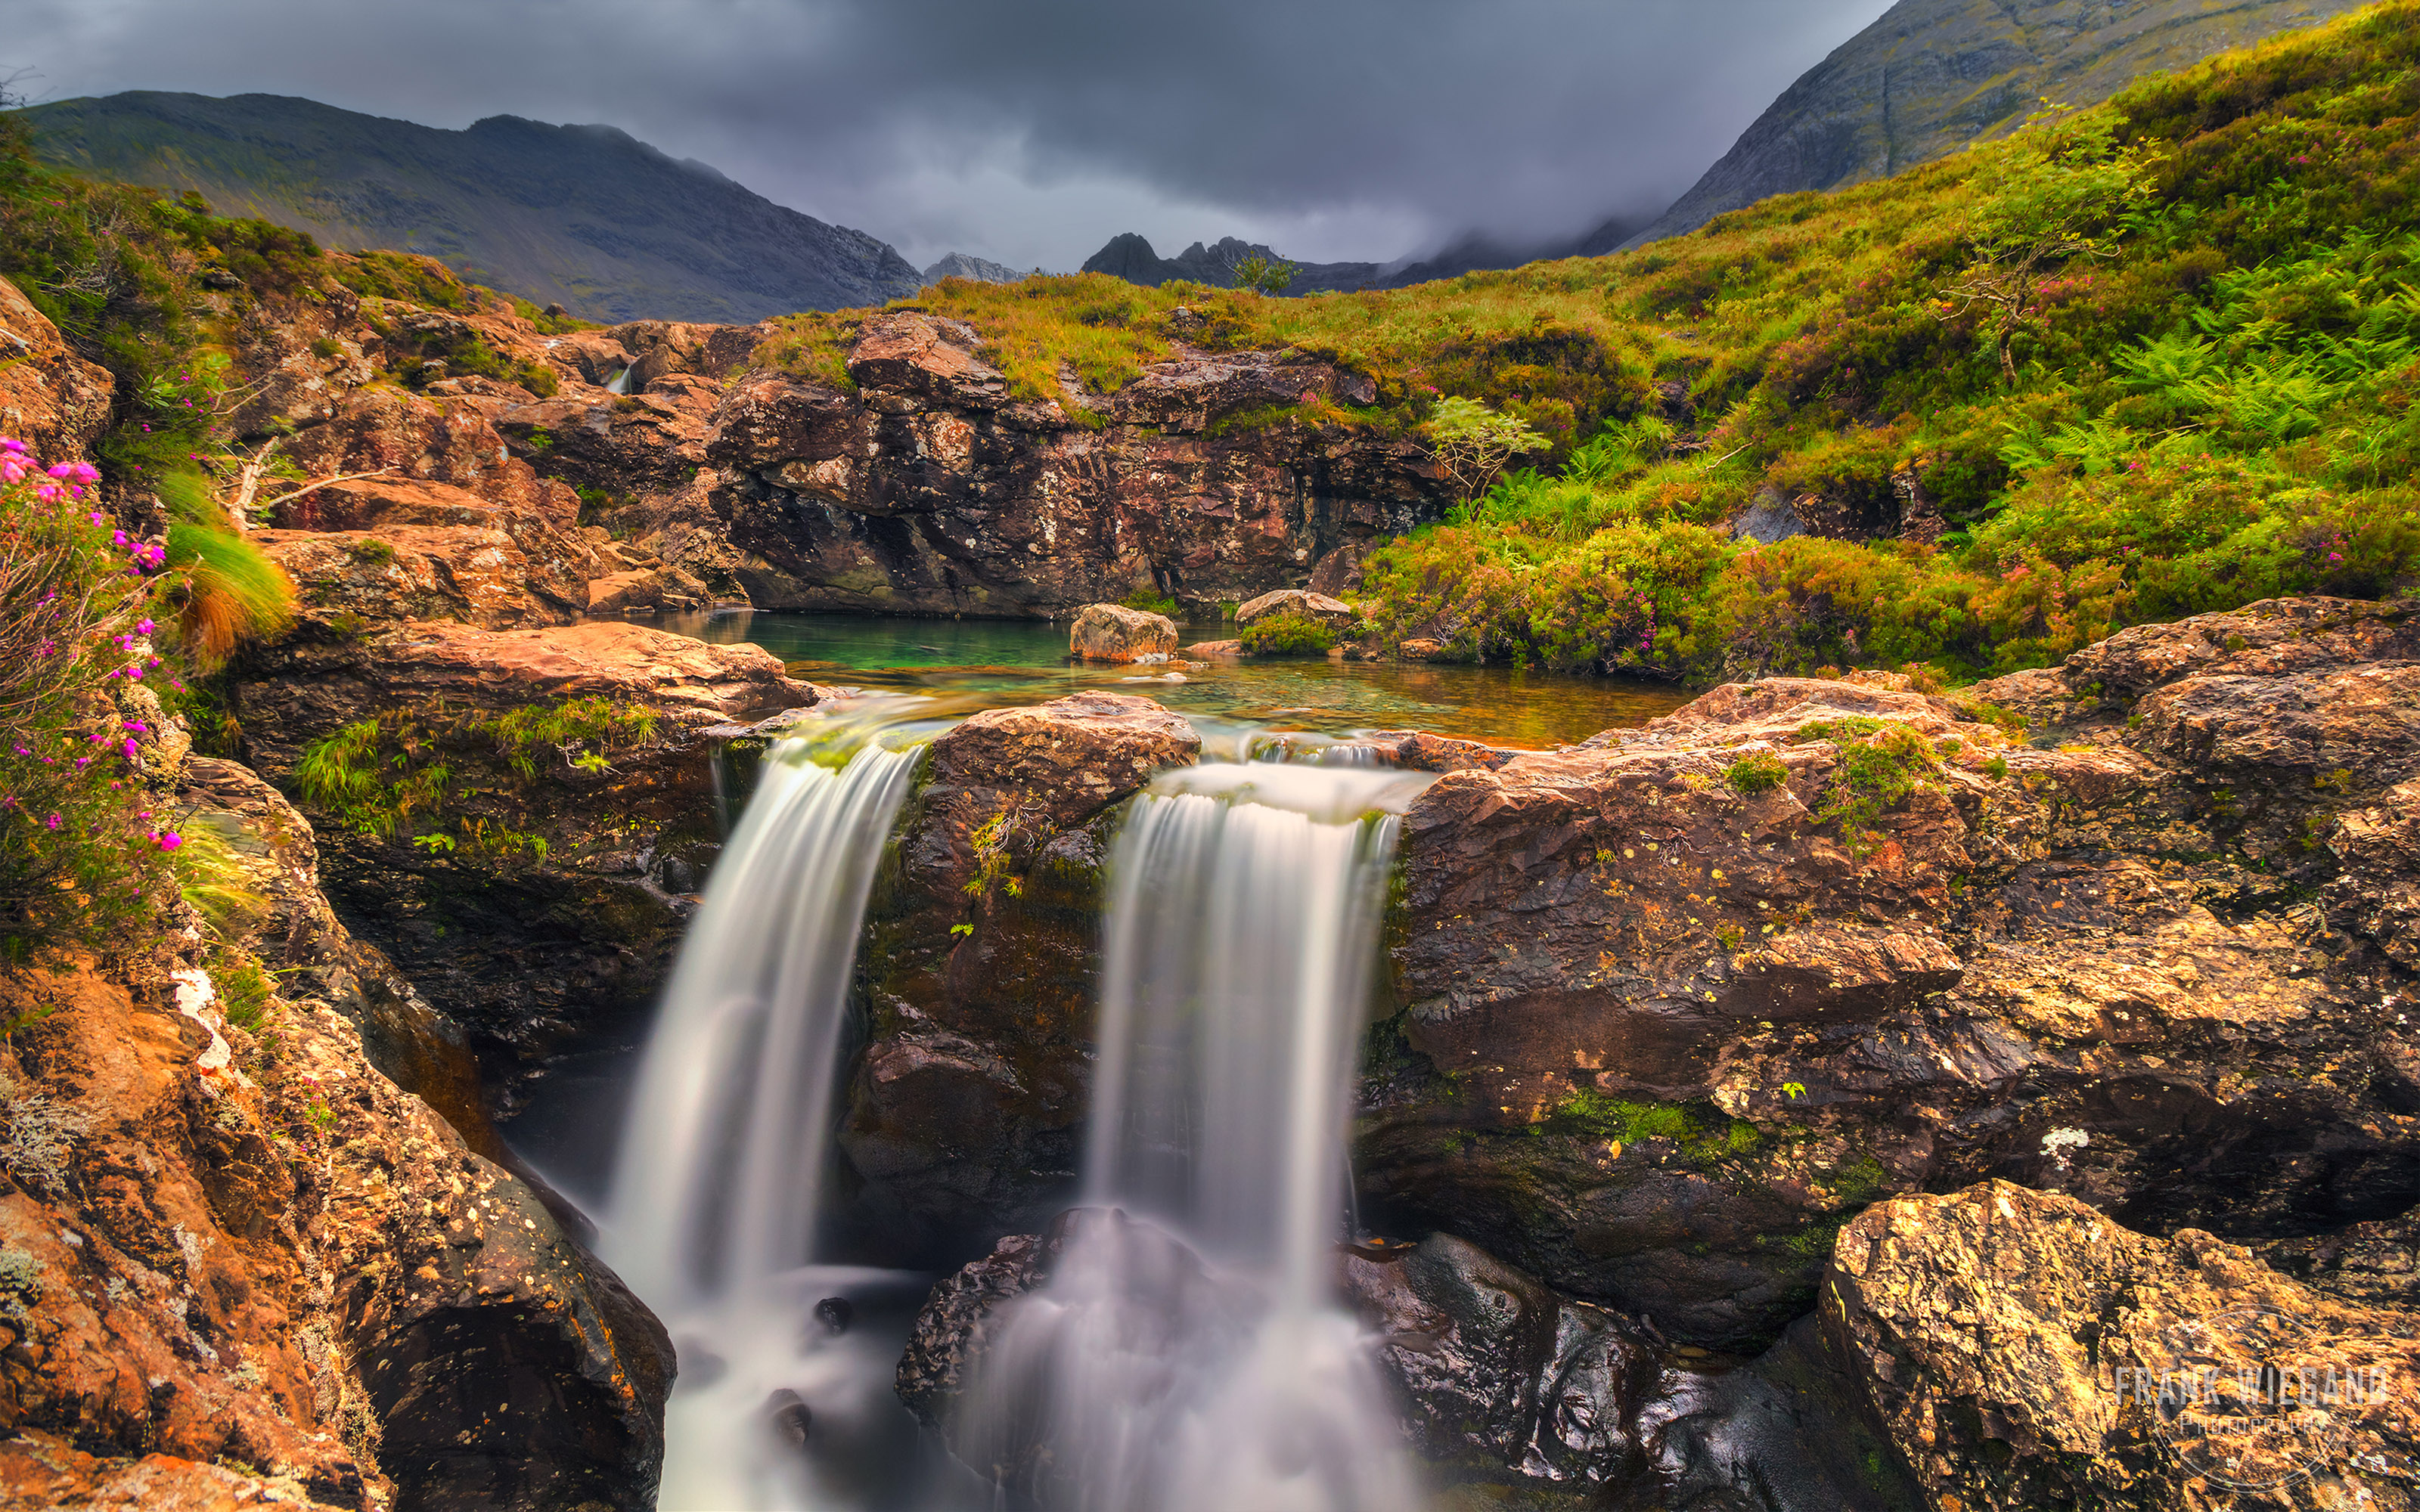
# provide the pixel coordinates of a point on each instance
(584, 215)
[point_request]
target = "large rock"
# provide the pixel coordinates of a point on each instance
(527, 947)
(1680, 1001)
(352, 580)
(243, 1267)
(1111, 632)
(51, 399)
(963, 1114)
(933, 490)
(2015, 1344)
(1334, 613)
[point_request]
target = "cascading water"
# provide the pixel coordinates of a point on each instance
(715, 1195)
(1243, 923)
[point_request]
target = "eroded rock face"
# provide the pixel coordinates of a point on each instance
(931, 491)
(245, 1266)
(2013, 1344)
(962, 1118)
(51, 399)
(524, 948)
(1334, 613)
(1693, 1021)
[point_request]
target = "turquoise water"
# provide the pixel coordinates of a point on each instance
(973, 664)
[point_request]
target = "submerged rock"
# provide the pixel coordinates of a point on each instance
(1111, 632)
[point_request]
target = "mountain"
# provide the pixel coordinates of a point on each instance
(584, 215)
(982, 269)
(1131, 256)
(1932, 75)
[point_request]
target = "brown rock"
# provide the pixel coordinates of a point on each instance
(1328, 612)
(924, 355)
(962, 1119)
(349, 581)
(2014, 1342)
(1111, 632)
(51, 399)
(646, 590)
(1419, 648)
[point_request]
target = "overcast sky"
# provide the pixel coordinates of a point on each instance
(1032, 130)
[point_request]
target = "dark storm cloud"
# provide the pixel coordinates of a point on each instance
(1032, 133)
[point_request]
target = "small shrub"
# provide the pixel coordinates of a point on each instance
(1755, 773)
(371, 553)
(1150, 601)
(1288, 635)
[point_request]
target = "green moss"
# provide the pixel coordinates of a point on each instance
(1704, 1132)
(390, 774)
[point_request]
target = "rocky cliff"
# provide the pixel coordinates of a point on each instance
(581, 215)
(1930, 76)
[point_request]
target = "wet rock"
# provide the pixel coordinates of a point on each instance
(51, 399)
(836, 1313)
(1703, 991)
(953, 1329)
(1416, 751)
(1111, 632)
(962, 1114)
(1336, 615)
(786, 1414)
(2014, 1343)
(527, 950)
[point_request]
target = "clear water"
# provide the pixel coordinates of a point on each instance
(1242, 929)
(976, 664)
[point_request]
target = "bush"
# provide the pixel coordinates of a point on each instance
(1759, 772)
(1288, 635)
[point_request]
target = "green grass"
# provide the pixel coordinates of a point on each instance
(2207, 395)
(1288, 635)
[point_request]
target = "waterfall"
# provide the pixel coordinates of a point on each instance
(1185, 1356)
(715, 1195)
(619, 382)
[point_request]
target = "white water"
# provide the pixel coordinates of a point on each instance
(1242, 927)
(716, 1193)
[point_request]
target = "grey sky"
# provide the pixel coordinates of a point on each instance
(1031, 133)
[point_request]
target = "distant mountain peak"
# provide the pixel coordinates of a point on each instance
(981, 270)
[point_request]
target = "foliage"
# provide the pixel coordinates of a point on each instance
(1705, 1134)
(1879, 766)
(1473, 442)
(1758, 772)
(1288, 634)
(1150, 601)
(1264, 275)
(81, 860)
(404, 768)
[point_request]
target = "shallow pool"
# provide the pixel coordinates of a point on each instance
(974, 664)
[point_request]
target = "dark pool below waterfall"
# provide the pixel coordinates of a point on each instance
(975, 664)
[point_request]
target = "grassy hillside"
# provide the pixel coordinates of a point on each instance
(2144, 361)
(583, 215)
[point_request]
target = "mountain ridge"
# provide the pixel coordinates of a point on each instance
(588, 216)
(1964, 71)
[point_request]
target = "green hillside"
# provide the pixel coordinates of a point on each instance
(2143, 361)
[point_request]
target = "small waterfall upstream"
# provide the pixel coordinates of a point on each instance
(1186, 1356)
(716, 1193)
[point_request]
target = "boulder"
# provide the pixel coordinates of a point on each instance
(1334, 613)
(1687, 998)
(2021, 1351)
(51, 399)
(448, 440)
(1111, 632)
(963, 1114)
(647, 590)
